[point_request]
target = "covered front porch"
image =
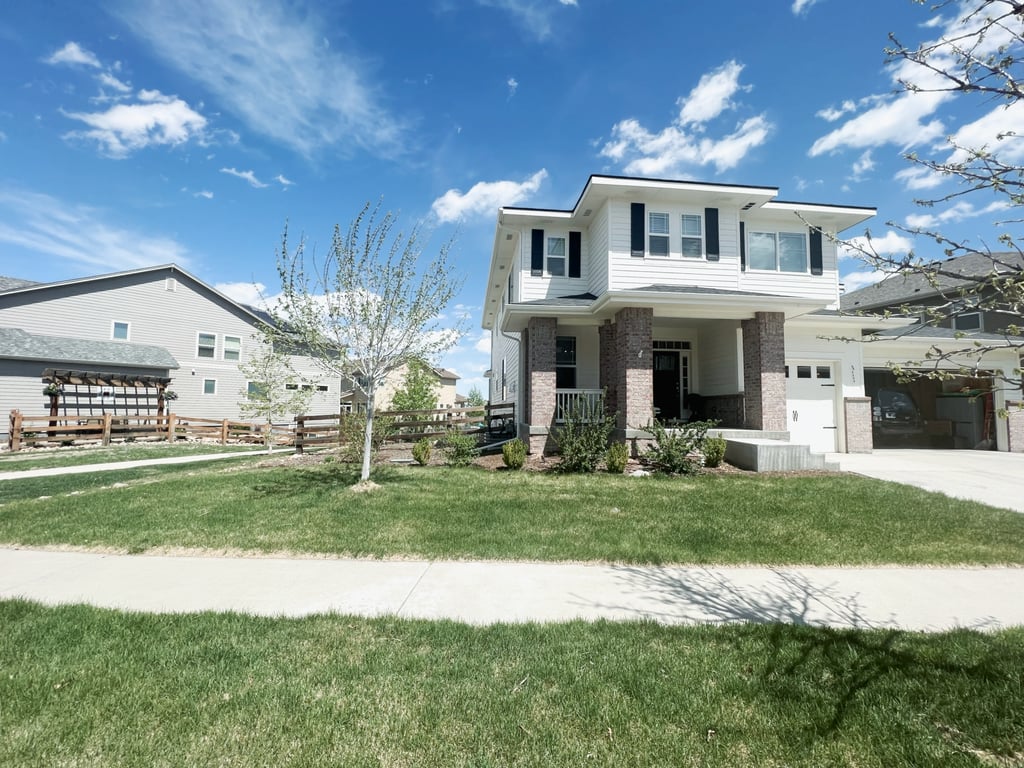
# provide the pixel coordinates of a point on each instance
(642, 365)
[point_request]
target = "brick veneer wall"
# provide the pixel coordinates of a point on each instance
(1015, 426)
(541, 333)
(858, 424)
(764, 371)
(634, 366)
(608, 380)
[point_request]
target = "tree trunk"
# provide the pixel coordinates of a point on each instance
(368, 436)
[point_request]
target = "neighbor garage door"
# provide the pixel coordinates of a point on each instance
(811, 404)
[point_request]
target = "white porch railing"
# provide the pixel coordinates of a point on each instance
(592, 400)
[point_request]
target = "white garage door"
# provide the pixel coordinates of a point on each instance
(811, 404)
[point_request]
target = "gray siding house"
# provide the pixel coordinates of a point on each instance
(158, 321)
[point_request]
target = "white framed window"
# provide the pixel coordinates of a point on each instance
(657, 234)
(565, 362)
(206, 345)
(968, 321)
(693, 236)
(254, 389)
(120, 331)
(556, 256)
(777, 251)
(232, 348)
(209, 386)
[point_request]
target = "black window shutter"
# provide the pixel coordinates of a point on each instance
(711, 232)
(575, 253)
(743, 247)
(637, 229)
(817, 266)
(537, 253)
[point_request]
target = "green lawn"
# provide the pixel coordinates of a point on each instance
(82, 686)
(74, 457)
(440, 512)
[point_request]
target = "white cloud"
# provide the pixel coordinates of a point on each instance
(513, 86)
(483, 343)
(955, 213)
(248, 176)
(253, 294)
(800, 6)
(902, 121)
(536, 16)
(3, 136)
(155, 120)
(203, 193)
(73, 53)
(854, 280)
(79, 234)
(684, 143)
(268, 65)
(863, 165)
(890, 243)
(108, 80)
(485, 197)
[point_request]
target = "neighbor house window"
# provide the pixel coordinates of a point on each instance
(969, 321)
(693, 239)
(556, 256)
(254, 389)
(232, 348)
(777, 251)
(209, 386)
(207, 345)
(120, 331)
(565, 362)
(657, 231)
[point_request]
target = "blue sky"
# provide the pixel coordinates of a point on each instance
(140, 132)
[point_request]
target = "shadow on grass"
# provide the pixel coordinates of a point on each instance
(328, 476)
(862, 659)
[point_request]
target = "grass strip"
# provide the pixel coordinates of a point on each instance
(87, 686)
(438, 512)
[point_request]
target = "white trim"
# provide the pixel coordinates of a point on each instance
(224, 349)
(127, 333)
(205, 393)
(206, 357)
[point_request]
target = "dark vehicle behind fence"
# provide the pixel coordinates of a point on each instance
(895, 416)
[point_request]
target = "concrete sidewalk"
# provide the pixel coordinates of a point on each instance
(82, 469)
(928, 599)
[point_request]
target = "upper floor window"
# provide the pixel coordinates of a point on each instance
(119, 331)
(777, 251)
(207, 345)
(232, 348)
(968, 321)
(693, 239)
(556, 256)
(657, 234)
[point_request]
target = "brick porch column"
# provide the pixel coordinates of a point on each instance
(764, 371)
(540, 360)
(608, 380)
(858, 424)
(634, 365)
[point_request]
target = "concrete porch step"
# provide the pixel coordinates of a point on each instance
(762, 454)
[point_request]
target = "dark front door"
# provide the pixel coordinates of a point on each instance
(666, 385)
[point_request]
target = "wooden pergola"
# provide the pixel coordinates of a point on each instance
(94, 393)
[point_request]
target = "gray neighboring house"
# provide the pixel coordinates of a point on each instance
(159, 321)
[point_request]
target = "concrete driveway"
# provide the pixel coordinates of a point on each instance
(991, 477)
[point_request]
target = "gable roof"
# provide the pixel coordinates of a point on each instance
(16, 344)
(912, 286)
(27, 286)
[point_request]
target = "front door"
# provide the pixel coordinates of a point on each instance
(811, 404)
(666, 385)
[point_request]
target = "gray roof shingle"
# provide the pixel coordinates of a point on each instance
(20, 345)
(10, 283)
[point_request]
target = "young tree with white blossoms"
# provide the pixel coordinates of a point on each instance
(274, 389)
(370, 306)
(979, 56)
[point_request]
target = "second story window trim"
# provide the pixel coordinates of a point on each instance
(658, 235)
(232, 348)
(692, 238)
(206, 345)
(556, 256)
(777, 251)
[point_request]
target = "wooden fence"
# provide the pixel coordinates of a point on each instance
(29, 431)
(307, 430)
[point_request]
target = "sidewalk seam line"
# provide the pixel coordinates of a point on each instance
(401, 608)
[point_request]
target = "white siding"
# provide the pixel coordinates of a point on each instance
(548, 286)
(824, 287)
(588, 354)
(627, 272)
(596, 252)
(718, 359)
(504, 349)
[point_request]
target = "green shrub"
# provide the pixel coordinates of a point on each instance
(616, 458)
(421, 451)
(583, 437)
(459, 448)
(679, 452)
(352, 431)
(714, 451)
(513, 453)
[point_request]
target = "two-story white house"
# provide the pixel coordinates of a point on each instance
(677, 300)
